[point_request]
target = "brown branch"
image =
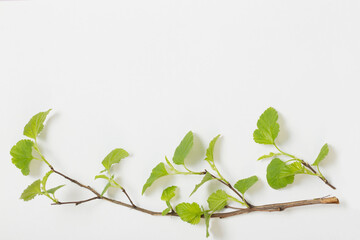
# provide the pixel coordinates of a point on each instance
(313, 170)
(76, 202)
(261, 208)
(277, 207)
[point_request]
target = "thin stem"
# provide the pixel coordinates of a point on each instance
(76, 202)
(307, 165)
(232, 189)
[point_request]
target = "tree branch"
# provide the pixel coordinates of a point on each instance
(262, 208)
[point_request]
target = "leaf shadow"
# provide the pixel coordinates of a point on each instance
(330, 158)
(284, 133)
(35, 168)
(44, 133)
(197, 152)
(215, 228)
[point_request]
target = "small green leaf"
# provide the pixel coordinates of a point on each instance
(157, 172)
(323, 153)
(22, 155)
(102, 176)
(210, 150)
(53, 190)
(36, 124)
(166, 211)
(44, 180)
(168, 193)
(273, 176)
(207, 222)
(218, 200)
(114, 157)
(183, 149)
(292, 169)
(31, 191)
(206, 178)
(271, 154)
(105, 188)
(190, 213)
(268, 128)
(244, 184)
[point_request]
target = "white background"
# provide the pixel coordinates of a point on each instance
(140, 74)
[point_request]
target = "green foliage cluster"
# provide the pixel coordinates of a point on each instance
(280, 173)
(217, 201)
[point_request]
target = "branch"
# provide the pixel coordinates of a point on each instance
(262, 208)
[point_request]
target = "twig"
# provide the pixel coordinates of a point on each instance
(262, 208)
(232, 189)
(313, 170)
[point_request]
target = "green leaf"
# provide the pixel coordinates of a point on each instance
(44, 180)
(105, 189)
(210, 150)
(31, 191)
(273, 176)
(102, 176)
(271, 154)
(183, 149)
(166, 211)
(292, 169)
(36, 124)
(206, 178)
(114, 157)
(218, 200)
(268, 128)
(190, 213)
(53, 190)
(157, 172)
(323, 153)
(207, 222)
(244, 184)
(22, 155)
(168, 193)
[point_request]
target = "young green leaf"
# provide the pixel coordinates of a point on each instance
(244, 184)
(218, 200)
(31, 191)
(271, 154)
(323, 153)
(206, 178)
(36, 124)
(166, 211)
(168, 193)
(190, 213)
(207, 222)
(44, 180)
(22, 155)
(102, 176)
(210, 150)
(105, 188)
(157, 172)
(292, 169)
(268, 128)
(183, 149)
(53, 190)
(114, 157)
(273, 176)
